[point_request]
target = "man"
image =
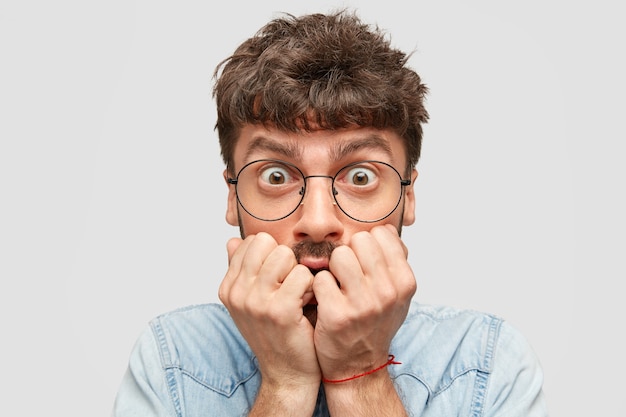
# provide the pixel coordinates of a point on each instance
(320, 127)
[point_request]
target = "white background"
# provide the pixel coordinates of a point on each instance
(112, 201)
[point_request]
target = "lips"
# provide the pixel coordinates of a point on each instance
(315, 265)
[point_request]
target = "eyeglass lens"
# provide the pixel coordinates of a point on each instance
(366, 191)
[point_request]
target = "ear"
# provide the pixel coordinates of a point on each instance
(232, 217)
(408, 217)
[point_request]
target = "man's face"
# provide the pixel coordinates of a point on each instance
(318, 225)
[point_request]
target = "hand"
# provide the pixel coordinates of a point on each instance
(362, 301)
(264, 290)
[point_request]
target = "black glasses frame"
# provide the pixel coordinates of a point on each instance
(235, 182)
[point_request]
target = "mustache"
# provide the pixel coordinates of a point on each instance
(314, 249)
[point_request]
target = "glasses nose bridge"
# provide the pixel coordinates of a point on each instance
(318, 176)
(332, 188)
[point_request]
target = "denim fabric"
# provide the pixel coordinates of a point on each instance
(194, 362)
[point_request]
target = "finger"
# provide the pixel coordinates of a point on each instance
(369, 254)
(390, 242)
(395, 253)
(327, 292)
(296, 284)
(236, 249)
(380, 250)
(259, 249)
(277, 266)
(245, 259)
(346, 268)
(231, 247)
(395, 234)
(386, 271)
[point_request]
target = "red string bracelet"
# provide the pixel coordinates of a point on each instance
(390, 361)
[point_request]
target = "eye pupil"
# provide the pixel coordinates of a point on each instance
(276, 178)
(360, 178)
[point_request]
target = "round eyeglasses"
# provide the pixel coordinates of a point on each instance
(366, 191)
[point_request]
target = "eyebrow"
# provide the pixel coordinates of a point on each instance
(372, 142)
(338, 152)
(287, 149)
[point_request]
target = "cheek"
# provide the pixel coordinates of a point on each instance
(280, 230)
(395, 218)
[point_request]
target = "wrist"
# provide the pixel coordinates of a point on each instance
(390, 361)
(366, 396)
(286, 398)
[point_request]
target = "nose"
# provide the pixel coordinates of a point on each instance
(318, 214)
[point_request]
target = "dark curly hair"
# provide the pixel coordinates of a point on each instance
(325, 71)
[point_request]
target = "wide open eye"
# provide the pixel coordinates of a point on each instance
(360, 176)
(275, 175)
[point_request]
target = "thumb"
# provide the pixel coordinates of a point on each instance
(297, 283)
(326, 288)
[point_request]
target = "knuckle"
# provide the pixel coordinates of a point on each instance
(265, 238)
(223, 295)
(340, 251)
(411, 287)
(388, 295)
(300, 270)
(361, 237)
(285, 251)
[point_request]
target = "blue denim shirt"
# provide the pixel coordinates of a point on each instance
(194, 362)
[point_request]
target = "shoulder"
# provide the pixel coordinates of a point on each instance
(186, 362)
(445, 327)
(194, 324)
(202, 342)
(437, 345)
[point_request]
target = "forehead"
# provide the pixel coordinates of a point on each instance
(319, 146)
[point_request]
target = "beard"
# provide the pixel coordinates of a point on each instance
(307, 248)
